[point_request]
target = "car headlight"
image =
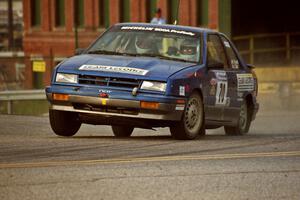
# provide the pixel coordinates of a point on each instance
(154, 85)
(66, 78)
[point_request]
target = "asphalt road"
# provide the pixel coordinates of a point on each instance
(36, 164)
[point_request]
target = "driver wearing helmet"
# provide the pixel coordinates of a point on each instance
(188, 50)
(143, 45)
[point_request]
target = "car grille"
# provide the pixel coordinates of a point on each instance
(108, 109)
(108, 81)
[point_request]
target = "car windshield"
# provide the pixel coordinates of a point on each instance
(149, 42)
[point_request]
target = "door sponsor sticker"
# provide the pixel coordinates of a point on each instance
(181, 90)
(105, 68)
(221, 94)
(221, 75)
(245, 82)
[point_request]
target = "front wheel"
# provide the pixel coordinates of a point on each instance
(64, 123)
(192, 123)
(243, 124)
(122, 131)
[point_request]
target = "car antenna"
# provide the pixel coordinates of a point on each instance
(176, 19)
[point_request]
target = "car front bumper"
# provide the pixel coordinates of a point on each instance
(128, 106)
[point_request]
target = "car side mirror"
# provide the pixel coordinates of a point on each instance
(79, 51)
(216, 65)
(250, 66)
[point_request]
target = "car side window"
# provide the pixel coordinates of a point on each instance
(215, 52)
(233, 59)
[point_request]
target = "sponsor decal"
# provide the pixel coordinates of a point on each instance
(240, 99)
(156, 29)
(235, 64)
(245, 82)
(105, 68)
(105, 91)
(213, 81)
(226, 44)
(221, 94)
(221, 75)
(181, 90)
(103, 95)
(227, 101)
(212, 91)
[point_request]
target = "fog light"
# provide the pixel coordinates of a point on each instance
(60, 97)
(149, 105)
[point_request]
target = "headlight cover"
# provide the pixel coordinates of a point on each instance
(66, 78)
(154, 86)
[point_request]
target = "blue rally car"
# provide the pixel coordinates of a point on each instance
(145, 75)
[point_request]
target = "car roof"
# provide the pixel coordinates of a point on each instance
(170, 26)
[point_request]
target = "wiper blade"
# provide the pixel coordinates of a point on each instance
(163, 57)
(102, 52)
(110, 53)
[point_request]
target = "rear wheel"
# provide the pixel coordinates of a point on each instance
(192, 123)
(243, 124)
(122, 131)
(64, 123)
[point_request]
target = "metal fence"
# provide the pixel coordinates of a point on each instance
(276, 48)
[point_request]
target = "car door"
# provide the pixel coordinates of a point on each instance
(235, 73)
(217, 81)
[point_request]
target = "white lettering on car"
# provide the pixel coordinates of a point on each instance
(104, 68)
(245, 82)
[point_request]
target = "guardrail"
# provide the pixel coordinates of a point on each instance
(18, 95)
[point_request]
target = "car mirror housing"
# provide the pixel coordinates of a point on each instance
(79, 51)
(250, 66)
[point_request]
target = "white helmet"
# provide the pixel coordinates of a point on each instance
(142, 44)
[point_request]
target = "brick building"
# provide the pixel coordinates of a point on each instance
(49, 28)
(49, 25)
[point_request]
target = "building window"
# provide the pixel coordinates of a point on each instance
(150, 10)
(103, 10)
(173, 11)
(35, 13)
(79, 13)
(59, 13)
(124, 11)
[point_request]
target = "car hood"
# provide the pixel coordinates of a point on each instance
(151, 68)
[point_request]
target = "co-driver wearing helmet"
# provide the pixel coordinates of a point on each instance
(188, 50)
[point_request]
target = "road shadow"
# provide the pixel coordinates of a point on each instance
(208, 137)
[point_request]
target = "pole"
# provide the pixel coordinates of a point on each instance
(177, 11)
(76, 24)
(10, 25)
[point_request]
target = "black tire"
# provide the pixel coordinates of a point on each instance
(64, 123)
(244, 121)
(192, 123)
(122, 131)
